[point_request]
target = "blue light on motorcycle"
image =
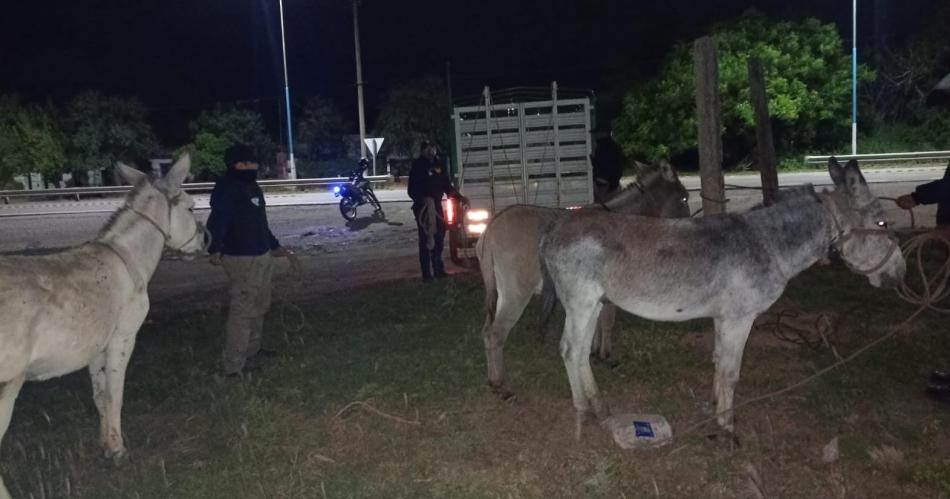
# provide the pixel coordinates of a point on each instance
(336, 189)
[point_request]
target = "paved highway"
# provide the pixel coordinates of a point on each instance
(910, 175)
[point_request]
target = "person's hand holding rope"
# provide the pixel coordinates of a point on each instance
(906, 202)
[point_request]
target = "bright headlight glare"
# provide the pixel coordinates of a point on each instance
(477, 215)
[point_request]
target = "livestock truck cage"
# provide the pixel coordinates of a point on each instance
(518, 146)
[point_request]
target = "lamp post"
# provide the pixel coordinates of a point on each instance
(291, 167)
(359, 78)
(854, 77)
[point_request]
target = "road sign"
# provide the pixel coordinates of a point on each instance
(373, 144)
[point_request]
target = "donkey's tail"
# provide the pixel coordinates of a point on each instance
(486, 264)
(548, 298)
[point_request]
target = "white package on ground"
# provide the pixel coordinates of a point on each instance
(639, 431)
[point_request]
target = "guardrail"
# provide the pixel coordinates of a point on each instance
(77, 192)
(889, 157)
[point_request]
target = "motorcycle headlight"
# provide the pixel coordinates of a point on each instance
(336, 190)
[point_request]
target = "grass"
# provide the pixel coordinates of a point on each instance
(415, 353)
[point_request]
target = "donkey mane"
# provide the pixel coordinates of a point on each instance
(130, 199)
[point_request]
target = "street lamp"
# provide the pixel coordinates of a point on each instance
(291, 167)
(854, 77)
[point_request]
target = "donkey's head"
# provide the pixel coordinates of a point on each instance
(656, 193)
(862, 237)
(165, 205)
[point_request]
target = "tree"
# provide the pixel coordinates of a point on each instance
(30, 140)
(320, 140)
(414, 111)
(215, 130)
(809, 90)
(101, 130)
(908, 113)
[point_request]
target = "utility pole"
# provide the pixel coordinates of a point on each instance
(359, 77)
(854, 77)
(291, 167)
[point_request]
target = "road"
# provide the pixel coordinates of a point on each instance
(909, 175)
(335, 256)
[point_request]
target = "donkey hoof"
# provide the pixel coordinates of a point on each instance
(502, 392)
(118, 457)
(608, 361)
(581, 418)
(726, 439)
(601, 411)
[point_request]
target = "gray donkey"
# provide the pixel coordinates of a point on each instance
(730, 268)
(511, 268)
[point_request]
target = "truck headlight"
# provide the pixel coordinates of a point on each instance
(476, 215)
(476, 228)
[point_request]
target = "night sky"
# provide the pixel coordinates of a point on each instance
(180, 56)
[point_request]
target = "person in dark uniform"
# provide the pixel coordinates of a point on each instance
(936, 192)
(242, 242)
(428, 180)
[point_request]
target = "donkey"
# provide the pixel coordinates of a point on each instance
(730, 268)
(84, 306)
(511, 268)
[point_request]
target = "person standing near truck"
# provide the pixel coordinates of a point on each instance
(428, 183)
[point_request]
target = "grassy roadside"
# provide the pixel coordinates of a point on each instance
(414, 354)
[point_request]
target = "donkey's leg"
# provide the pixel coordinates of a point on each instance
(579, 324)
(8, 393)
(509, 307)
(731, 336)
(605, 325)
(118, 353)
(100, 394)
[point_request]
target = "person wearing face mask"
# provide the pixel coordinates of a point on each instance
(428, 184)
(243, 244)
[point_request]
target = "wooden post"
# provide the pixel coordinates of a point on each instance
(765, 147)
(710, 126)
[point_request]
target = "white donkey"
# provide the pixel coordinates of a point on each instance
(730, 268)
(84, 306)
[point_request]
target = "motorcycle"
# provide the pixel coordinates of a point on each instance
(357, 192)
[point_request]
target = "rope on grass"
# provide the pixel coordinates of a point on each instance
(369, 408)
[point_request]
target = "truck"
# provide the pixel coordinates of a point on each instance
(518, 146)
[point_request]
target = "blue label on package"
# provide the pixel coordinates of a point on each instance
(643, 429)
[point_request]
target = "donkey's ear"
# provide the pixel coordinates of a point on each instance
(178, 172)
(641, 167)
(855, 183)
(666, 169)
(853, 175)
(836, 171)
(128, 174)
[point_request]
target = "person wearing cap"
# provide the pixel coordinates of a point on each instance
(936, 192)
(427, 179)
(243, 244)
